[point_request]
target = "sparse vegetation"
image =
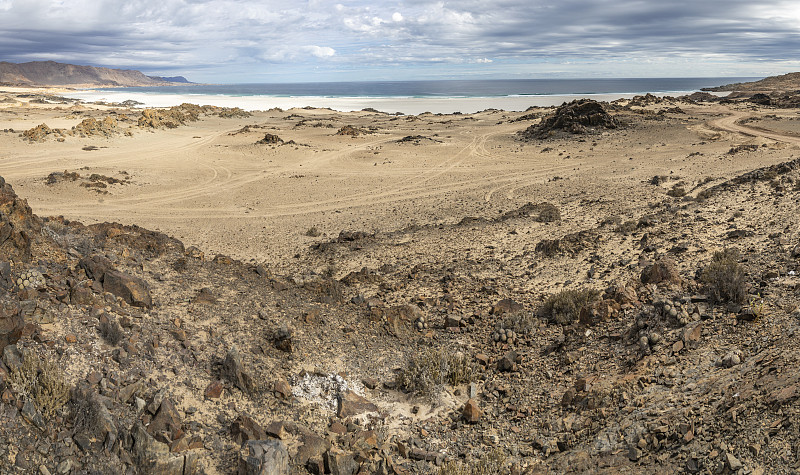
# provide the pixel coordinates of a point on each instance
(724, 277)
(110, 330)
(677, 191)
(428, 371)
(489, 464)
(627, 227)
(520, 322)
(565, 307)
(41, 381)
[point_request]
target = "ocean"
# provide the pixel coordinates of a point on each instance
(408, 97)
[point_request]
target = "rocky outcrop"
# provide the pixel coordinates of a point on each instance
(17, 225)
(577, 117)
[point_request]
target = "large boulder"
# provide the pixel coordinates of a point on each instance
(133, 290)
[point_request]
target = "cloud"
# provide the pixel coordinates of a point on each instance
(162, 36)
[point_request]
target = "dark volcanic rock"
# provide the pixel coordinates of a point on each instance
(270, 139)
(233, 371)
(132, 289)
(11, 324)
(577, 117)
(17, 225)
(245, 428)
(95, 266)
(351, 404)
(265, 457)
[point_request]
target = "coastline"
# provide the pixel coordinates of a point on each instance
(405, 105)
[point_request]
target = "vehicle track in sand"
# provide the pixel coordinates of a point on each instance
(463, 165)
(732, 123)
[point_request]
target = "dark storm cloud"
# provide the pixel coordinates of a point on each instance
(269, 35)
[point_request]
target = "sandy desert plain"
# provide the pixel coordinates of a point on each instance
(314, 291)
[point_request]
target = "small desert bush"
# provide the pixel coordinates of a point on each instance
(490, 464)
(42, 382)
(627, 227)
(548, 213)
(565, 307)
(428, 371)
(520, 322)
(677, 191)
(110, 330)
(725, 277)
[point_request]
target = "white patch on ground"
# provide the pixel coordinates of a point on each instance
(323, 389)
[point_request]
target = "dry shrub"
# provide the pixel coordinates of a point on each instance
(627, 227)
(110, 330)
(565, 307)
(520, 322)
(677, 191)
(725, 277)
(548, 213)
(489, 464)
(42, 382)
(428, 371)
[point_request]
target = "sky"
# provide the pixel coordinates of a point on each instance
(238, 41)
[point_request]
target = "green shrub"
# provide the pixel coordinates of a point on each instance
(724, 277)
(565, 307)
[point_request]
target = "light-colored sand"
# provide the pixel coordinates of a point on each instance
(217, 189)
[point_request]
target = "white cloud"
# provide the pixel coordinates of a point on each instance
(319, 51)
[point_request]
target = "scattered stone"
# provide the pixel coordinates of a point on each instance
(214, 390)
(233, 371)
(264, 457)
(245, 428)
(270, 139)
(506, 306)
(282, 388)
(733, 463)
(508, 362)
(283, 338)
(471, 412)
(340, 463)
(351, 404)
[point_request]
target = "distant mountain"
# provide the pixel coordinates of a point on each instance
(786, 82)
(50, 73)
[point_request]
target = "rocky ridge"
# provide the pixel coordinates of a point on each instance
(51, 73)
